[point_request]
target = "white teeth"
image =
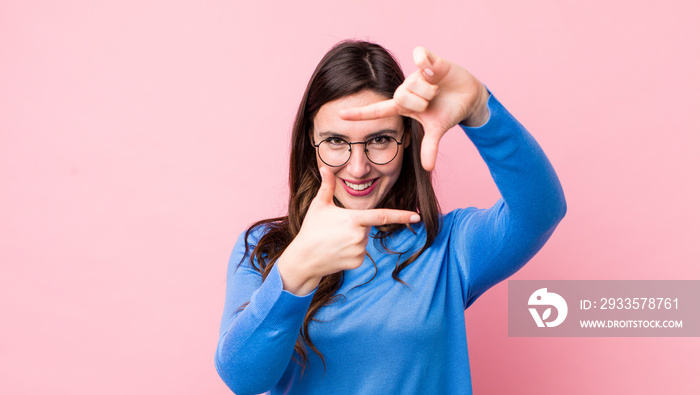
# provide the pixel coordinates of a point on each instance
(358, 187)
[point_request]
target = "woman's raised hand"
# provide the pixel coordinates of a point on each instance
(331, 238)
(439, 95)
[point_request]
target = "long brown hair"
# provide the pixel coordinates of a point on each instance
(348, 68)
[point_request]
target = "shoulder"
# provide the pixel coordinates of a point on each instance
(246, 243)
(252, 235)
(459, 217)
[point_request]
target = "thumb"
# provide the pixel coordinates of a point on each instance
(325, 192)
(429, 150)
(434, 67)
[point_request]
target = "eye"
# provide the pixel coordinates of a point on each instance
(335, 142)
(380, 140)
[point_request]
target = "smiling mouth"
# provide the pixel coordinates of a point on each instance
(360, 187)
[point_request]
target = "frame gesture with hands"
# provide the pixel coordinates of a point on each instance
(439, 95)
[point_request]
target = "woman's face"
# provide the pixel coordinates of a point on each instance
(359, 183)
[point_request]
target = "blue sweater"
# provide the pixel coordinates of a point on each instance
(384, 337)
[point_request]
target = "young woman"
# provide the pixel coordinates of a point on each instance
(362, 287)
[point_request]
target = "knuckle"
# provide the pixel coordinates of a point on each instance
(411, 83)
(355, 263)
(401, 98)
(358, 238)
(411, 87)
(422, 106)
(360, 255)
(400, 92)
(416, 104)
(434, 90)
(383, 218)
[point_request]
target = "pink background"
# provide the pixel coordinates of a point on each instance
(138, 138)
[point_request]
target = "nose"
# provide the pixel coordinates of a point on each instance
(358, 166)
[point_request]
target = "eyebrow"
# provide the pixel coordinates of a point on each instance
(330, 133)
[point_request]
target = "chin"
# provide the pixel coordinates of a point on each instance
(358, 203)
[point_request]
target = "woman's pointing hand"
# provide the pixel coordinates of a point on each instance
(331, 238)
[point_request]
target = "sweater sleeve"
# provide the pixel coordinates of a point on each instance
(492, 244)
(256, 342)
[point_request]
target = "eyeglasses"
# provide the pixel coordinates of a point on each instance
(380, 150)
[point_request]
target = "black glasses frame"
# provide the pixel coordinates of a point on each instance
(398, 143)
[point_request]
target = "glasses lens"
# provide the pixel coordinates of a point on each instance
(334, 152)
(382, 150)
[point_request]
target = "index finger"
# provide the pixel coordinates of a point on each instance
(385, 216)
(382, 109)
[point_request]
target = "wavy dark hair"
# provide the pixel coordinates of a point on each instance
(348, 68)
